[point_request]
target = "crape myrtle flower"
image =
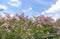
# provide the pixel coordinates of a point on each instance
(16, 17)
(14, 25)
(13, 17)
(6, 25)
(47, 32)
(33, 37)
(45, 20)
(32, 20)
(26, 19)
(39, 25)
(8, 30)
(49, 20)
(22, 16)
(58, 32)
(24, 28)
(41, 19)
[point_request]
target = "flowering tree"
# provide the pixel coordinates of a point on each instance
(23, 27)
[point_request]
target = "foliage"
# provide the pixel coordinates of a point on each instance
(21, 27)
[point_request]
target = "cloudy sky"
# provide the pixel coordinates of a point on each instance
(31, 7)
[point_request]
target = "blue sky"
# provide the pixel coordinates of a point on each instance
(31, 7)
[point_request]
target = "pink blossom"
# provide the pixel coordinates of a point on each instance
(32, 37)
(39, 25)
(24, 28)
(8, 30)
(33, 21)
(41, 17)
(14, 25)
(58, 32)
(6, 25)
(22, 15)
(26, 19)
(48, 32)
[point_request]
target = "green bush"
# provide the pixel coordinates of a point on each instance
(40, 27)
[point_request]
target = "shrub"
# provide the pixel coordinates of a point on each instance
(21, 27)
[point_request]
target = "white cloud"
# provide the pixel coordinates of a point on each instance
(16, 3)
(30, 8)
(3, 7)
(13, 0)
(54, 9)
(23, 10)
(27, 10)
(56, 16)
